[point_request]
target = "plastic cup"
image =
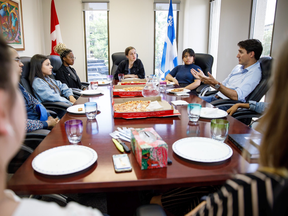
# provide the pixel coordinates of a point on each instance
(93, 85)
(90, 110)
(194, 111)
(74, 130)
(219, 129)
(120, 77)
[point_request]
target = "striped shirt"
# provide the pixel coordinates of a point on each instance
(249, 194)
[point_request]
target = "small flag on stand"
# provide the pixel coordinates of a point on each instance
(169, 57)
(55, 33)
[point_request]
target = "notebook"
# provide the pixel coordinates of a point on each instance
(241, 141)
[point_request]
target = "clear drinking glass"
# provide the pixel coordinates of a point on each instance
(162, 87)
(194, 111)
(74, 130)
(219, 129)
(93, 85)
(90, 110)
(120, 77)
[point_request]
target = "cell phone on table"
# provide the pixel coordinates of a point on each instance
(121, 163)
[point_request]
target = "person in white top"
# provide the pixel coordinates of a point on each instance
(12, 132)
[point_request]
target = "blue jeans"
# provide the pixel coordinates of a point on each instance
(211, 98)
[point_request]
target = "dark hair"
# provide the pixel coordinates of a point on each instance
(65, 53)
(5, 68)
(189, 51)
(128, 49)
(36, 71)
(252, 45)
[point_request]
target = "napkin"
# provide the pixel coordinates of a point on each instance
(179, 102)
(154, 105)
(182, 94)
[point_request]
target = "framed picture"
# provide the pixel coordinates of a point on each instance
(11, 23)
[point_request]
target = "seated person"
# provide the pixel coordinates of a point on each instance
(34, 119)
(182, 75)
(252, 194)
(45, 88)
(131, 67)
(258, 107)
(65, 73)
(12, 132)
(244, 77)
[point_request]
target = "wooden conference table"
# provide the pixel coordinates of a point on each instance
(101, 176)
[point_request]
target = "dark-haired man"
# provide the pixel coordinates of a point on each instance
(244, 77)
(34, 120)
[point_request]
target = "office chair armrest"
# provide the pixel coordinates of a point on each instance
(56, 105)
(206, 91)
(52, 113)
(148, 210)
(224, 102)
(41, 133)
(201, 88)
(85, 84)
(245, 113)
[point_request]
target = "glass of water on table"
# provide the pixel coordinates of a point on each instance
(91, 110)
(194, 110)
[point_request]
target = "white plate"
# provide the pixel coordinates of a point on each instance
(74, 109)
(103, 82)
(207, 112)
(184, 91)
(91, 92)
(64, 160)
(202, 149)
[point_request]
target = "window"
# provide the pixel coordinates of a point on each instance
(262, 21)
(96, 39)
(160, 30)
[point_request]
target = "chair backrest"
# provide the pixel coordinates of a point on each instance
(24, 80)
(263, 86)
(116, 59)
(280, 207)
(204, 61)
(56, 62)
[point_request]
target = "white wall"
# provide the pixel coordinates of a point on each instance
(234, 27)
(32, 27)
(280, 33)
(132, 24)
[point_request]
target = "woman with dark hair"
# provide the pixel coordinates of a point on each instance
(131, 67)
(45, 88)
(181, 74)
(12, 133)
(65, 73)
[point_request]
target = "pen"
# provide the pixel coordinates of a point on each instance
(118, 145)
(124, 146)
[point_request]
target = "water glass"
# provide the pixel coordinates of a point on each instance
(162, 87)
(219, 129)
(90, 110)
(194, 110)
(120, 77)
(109, 78)
(74, 130)
(93, 85)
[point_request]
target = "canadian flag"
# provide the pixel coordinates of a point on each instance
(55, 29)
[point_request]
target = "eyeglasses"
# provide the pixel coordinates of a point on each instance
(72, 57)
(17, 60)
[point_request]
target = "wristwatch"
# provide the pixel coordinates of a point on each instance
(217, 86)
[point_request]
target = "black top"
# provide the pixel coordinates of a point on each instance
(137, 69)
(66, 76)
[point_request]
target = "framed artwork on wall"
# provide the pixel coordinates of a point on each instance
(11, 23)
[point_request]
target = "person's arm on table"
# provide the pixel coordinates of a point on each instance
(234, 108)
(172, 79)
(210, 80)
(193, 85)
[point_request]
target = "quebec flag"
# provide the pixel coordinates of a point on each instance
(169, 57)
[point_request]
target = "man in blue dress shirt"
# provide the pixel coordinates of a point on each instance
(244, 77)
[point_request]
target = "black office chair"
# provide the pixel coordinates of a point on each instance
(24, 80)
(205, 62)
(116, 59)
(259, 91)
(280, 207)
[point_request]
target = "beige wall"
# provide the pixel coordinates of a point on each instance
(32, 27)
(234, 27)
